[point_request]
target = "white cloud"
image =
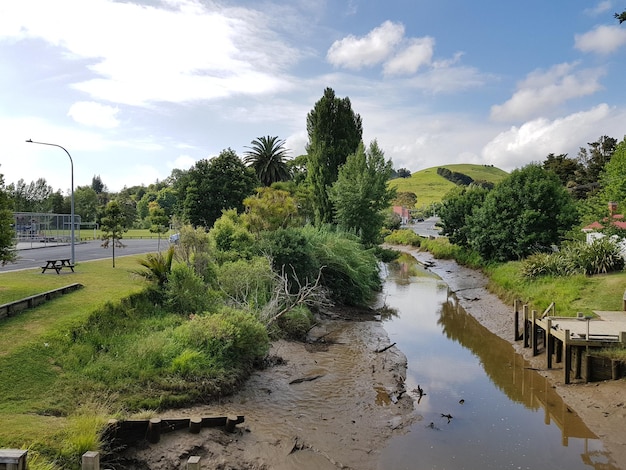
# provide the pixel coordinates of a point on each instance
(535, 139)
(183, 162)
(601, 40)
(143, 54)
(599, 9)
(541, 90)
(94, 114)
(417, 54)
(354, 53)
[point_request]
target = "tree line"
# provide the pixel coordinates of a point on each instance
(339, 181)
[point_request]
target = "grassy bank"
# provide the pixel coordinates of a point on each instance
(571, 294)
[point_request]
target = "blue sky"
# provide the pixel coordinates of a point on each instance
(133, 89)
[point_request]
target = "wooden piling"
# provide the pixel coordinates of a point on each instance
(516, 335)
(615, 369)
(195, 424)
(193, 463)
(231, 422)
(154, 430)
(578, 363)
(533, 332)
(568, 357)
(90, 461)
(526, 326)
(550, 344)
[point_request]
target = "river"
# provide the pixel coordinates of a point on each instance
(504, 415)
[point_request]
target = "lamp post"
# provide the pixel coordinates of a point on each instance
(30, 141)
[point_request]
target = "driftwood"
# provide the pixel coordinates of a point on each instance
(306, 379)
(385, 348)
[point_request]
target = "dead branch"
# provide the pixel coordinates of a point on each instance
(385, 348)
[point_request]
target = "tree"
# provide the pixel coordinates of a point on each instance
(218, 184)
(97, 185)
(405, 199)
(267, 157)
(527, 212)
(32, 197)
(567, 169)
(7, 252)
(621, 16)
(159, 222)
(113, 225)
(456, 207)
(270, 209)
(361, 193)
(335, 132)
(613, 178)
(594, 159)
(86, 203)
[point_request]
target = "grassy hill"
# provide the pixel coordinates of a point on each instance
(430, 187)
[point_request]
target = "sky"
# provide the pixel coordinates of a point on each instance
(133, 89)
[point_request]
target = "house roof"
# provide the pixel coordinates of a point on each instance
(617, 222)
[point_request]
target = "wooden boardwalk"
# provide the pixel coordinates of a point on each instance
(572, 338)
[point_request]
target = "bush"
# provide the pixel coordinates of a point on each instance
(296, 323)
(230, 338)
(600, 257)
(247, 284)
(185, 291)
(404, 237)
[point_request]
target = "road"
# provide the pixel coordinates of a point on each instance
(426, 228)
(34, 255)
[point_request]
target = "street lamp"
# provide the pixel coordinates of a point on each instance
(30, 141)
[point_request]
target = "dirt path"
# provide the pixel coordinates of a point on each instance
(601, 405)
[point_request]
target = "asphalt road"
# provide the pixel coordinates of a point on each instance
(34, 255)
(426, 228)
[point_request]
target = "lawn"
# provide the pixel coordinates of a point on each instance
(27, 373)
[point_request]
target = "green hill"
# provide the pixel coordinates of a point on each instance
(430, 187)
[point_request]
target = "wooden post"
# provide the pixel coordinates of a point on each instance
(91, 461)
(587, 368)
(568, 357)
(559, 352)
(516, 335)
(195, 424)
(533, 331)
(622, 338)
(526, 330)
(578, 364)
(154, 430)
(193, 463)
(615, 369)
(231, 422)
(13, 459)
(624, 301)
(550, 345)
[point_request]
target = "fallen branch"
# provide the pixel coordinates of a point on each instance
(306, 379)
(385, 348)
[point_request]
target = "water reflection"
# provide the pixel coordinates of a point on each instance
(503, 415)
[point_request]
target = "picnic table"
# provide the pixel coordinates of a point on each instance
(57, 265)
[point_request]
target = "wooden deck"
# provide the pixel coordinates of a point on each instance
(571, 338)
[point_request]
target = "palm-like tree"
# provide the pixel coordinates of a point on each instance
(266, 156)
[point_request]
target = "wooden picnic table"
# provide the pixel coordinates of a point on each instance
(57, 265)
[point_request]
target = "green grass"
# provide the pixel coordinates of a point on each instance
(29, 373)
(431, 188)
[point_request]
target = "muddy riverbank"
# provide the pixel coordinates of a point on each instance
(601, 405)
(332, 403)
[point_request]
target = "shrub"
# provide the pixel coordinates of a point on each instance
(231, 337)
(404, 237)
(186, 291)
(247, 284)
(296, 323)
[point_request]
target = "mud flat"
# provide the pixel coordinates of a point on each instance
(331, 403)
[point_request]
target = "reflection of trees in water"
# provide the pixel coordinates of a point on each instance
(406, 267)
(509, 371)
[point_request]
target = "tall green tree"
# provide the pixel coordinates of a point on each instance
(361, 193)
(335, 132)
(267, 157)
(7, 251)
(456, 208)
(113, 225)
(613, 178)
(621, 16)
(218, 184)
(527, 212)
